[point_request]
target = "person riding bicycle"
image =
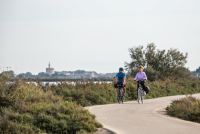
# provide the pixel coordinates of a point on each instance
(141, 76)
(121, 78)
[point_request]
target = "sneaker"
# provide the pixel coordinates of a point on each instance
(137, 100)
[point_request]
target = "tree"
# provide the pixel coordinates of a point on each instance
(43, 74)
(55, 75)
(79, 72)
(62, 75)
(158, 63)
(198, 70)
(11, 73)
(137, 59)
(28, 74)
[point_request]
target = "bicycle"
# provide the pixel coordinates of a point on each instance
(141, 92)
(120, 93)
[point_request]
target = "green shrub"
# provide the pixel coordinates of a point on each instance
(187, 108)
(89, 93)
(86, 93)
(29, 108)
(26, 108)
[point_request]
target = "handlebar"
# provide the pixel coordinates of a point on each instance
(138, 81)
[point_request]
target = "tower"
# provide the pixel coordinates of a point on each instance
(50, 70)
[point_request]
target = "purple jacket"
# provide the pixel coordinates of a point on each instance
(140, 76)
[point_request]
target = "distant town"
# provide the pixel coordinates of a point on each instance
(50, 72)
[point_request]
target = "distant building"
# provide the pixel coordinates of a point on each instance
(83, 74)
(91, 74)
(49, 70)
(63, 72)
(107, 75)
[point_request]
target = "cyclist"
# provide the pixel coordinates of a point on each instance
(141, 76)
(121, 78)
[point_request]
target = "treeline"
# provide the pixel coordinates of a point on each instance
(159, 64)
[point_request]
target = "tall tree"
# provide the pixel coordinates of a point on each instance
(137, 58)
(160, 63)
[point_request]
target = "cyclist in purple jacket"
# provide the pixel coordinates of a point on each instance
(141, 76)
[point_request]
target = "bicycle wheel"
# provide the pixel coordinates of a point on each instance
(121, 97)
(141, 95)
(138, 96)
(118, 94)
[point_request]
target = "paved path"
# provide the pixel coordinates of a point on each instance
(134, 118)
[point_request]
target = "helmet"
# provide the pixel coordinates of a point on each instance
(121, 69)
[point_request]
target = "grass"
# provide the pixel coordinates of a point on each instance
(187, 108)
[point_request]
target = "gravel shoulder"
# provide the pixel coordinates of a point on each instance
(104, 131)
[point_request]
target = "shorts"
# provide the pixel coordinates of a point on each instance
(122, 83)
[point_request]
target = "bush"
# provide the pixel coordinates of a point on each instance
(29, 108)
(166, 87)
(187, 108)
(89, 93)
(26, 108)
(86, 93)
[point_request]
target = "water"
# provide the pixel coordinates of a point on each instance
(55, 83)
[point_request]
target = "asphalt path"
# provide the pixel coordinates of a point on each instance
(134, 118)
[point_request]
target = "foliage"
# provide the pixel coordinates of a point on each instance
(158, 63)
(85, 93)
(43, 74)
(198, 70)
(89, 93)
(11, 73)
(187, 108)
(27, 108)
(29, 74)
(168, 87)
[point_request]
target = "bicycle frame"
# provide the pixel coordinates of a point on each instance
(120, 93)
(140, 92)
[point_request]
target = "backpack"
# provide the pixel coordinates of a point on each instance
(147, 89)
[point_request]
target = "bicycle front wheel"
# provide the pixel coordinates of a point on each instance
(138, 96)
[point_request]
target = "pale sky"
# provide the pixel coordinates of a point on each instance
(93, 35)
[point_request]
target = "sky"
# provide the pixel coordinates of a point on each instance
(93, 35)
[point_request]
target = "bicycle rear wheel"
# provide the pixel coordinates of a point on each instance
(138, 96)
(119, 101)
(120, 96)
(142, 97)
(122, 99)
